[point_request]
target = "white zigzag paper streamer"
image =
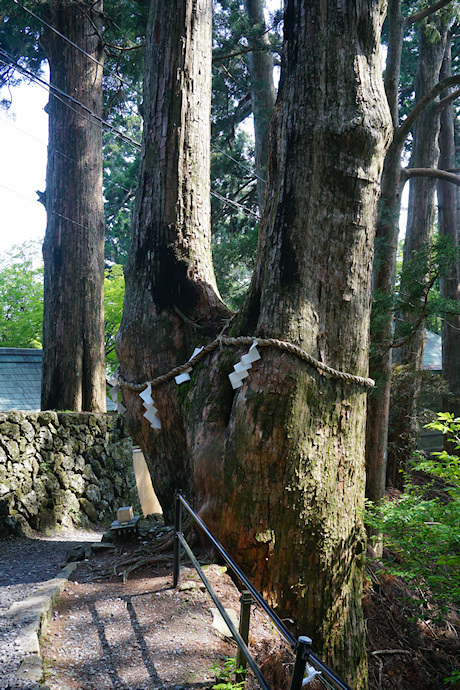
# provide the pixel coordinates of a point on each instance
(151, 411)
(241, 368)
(182, 378)
(113, 392)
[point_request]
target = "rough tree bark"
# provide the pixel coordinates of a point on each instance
(73, 324)
(386, 249)
(263, 95)
(276, 467)
(448, 221)
(419, 230)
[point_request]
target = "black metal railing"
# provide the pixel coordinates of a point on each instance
(301, 646)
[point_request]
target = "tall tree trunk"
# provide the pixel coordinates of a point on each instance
(448, 221)
(263, 95)
(419, 230)
(73, 325)
(275, 467)
(386, 249)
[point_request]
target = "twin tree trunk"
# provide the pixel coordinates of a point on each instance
(276, 468)
(73, 325)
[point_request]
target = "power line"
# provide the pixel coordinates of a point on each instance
(240, 207)
(88, 55)
(237, 162)
(98, 121)
(123, 81)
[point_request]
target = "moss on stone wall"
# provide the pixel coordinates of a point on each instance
(63, 470)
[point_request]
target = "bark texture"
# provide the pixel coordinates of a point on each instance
(403, 432)
(276, 467)
(73, 324)
(386, 249)
(448, 221)
(262, 91)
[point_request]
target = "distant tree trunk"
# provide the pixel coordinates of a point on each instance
(73, 325)
(386, 249)
(448, 221)
(263, 95)
(419, 231)
(275, 467)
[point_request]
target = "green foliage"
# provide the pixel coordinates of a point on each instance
(114, 291)
(447, 465)
(416, 293)
(21, 297)
(425, 533)
(225, 673)
(234, 228)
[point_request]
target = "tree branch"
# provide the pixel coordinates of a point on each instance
(448, 99)
(402, 131)
(407, 173)
(418, 16)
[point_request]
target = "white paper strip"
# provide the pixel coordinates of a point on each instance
(312, 672)
(151, 415)
(235, 379)
(240, 366)
(112, 381)
(252, 356)
(113, 392)
(121, 408)
(147, 393)
(182, 378)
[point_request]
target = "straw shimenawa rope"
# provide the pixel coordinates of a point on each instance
(246, 340)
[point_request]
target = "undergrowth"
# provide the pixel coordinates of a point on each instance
(423, 535)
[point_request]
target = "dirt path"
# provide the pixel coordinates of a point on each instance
(142, 634)
(25, 562)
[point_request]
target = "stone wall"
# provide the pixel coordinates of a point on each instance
(63, 470)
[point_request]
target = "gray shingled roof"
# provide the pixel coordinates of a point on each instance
(20, 379)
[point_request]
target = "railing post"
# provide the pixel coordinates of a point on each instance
(177, 545)
(302, 653)
(245, 614)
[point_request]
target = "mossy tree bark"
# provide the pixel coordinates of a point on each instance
(276, 467)
(73, 323)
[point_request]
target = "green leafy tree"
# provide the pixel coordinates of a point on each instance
(114, 291)
(21, 297)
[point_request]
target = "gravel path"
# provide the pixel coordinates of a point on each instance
(24, 564)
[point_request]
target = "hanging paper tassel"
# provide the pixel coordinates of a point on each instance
(113, 392)
(241, 368)
(182, 378)
(151, 411)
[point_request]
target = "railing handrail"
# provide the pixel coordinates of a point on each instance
(311, 657)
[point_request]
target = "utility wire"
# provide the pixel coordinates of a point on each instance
(64, 155)
(116, 76)
(54, 90)
(240, 207)
(100, 64)
(35, 201)
(237, 162)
